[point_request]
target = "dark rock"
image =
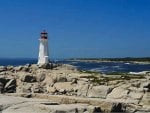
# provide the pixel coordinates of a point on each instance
(97, 110)
(26, 95)
(3, 80)
(10, 86)
(46, 66)
(74, 81)
(1, 87)
(146, 86)
(118, 107)
(28, 78)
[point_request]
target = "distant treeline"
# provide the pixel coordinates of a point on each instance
(143, 59)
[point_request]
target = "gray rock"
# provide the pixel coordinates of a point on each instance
(25, 69)
(34, 67)
(36, 88)
(61, 79)
(82, 90)
(40, 77)
(142, 111)
(49, 81)
(10, 104)
(62, 91)
(64, 86)
(118, 93)
(99, 91)
(135, 89)
(24, 88)
(81, 82)
(136, 95)
(136, 84)
(51, 90)
(18, 68)
(3, 68)
(10, 68)
(146, 99)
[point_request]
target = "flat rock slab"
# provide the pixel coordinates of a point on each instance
(99, 91)
(118, 93)
(11, 104)
(9, 101)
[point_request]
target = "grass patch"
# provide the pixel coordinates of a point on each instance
(101, 80)
(89, 72)
(89, 77)
(117, 73)
(96, 77)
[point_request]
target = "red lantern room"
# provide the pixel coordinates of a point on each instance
(44, 35)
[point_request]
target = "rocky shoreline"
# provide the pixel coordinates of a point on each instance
(64, 89)
(100, 61)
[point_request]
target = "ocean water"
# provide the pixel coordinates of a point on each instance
(108, 67)
(104, 67)
(17, 61)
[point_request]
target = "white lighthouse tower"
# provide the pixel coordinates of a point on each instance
(43, 49)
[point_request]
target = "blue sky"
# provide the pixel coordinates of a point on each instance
(77, 28)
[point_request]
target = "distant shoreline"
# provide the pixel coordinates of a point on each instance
(145, 60)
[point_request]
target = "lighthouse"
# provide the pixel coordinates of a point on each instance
(43, 49)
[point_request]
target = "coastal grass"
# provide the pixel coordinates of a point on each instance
(104, 80)
(99, 79)
(89, 72)
(117, 73)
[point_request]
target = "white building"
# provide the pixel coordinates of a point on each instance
(43, 49)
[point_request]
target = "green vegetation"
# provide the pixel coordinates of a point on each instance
(109, 73)
(98, 78)
(89, 72)
(117, 73)
(105, 79)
